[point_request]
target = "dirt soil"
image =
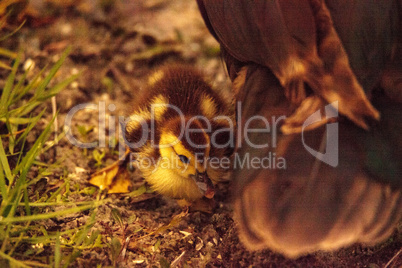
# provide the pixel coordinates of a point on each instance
(116, 45)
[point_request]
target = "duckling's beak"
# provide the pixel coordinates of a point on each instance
(204, 184)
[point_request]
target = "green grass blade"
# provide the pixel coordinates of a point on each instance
(17, 120)
(23, 110)
(5, 66)
(55, 193)
(3, 186)
(26, 201)
(4, 99)
(53, 204)
(48, 239)
(30, 85)
(18, 87)
(14, 198)
(23, 168)
(41, 88)
(72, 258)
(46, 216)
(57, 88)
(12, 128)
(57, 252)
(13, 32)
(4, 163)
(27, 160)
(8, 53)
(34, 121)
(13, 262)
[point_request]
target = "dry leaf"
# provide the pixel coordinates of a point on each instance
(115, 178)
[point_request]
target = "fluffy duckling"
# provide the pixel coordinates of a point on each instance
(178, 125)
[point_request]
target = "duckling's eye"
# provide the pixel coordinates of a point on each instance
(184, 159)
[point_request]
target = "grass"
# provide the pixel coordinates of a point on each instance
(23, 236)
(25, 206)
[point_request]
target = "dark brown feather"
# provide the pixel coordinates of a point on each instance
(297, 41)
(310, 205)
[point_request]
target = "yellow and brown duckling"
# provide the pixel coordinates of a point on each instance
(178, 125)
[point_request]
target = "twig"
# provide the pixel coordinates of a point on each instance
(393, 258)
(55, 123)
(176, 261)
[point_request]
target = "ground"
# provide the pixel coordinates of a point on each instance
(115, 46)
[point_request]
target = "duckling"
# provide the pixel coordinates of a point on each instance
(177, 126)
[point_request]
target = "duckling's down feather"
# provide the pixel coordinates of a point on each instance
(180, 97)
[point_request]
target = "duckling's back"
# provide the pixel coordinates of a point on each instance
(185, 88)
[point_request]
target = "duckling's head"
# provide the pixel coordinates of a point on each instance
(184, 147)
